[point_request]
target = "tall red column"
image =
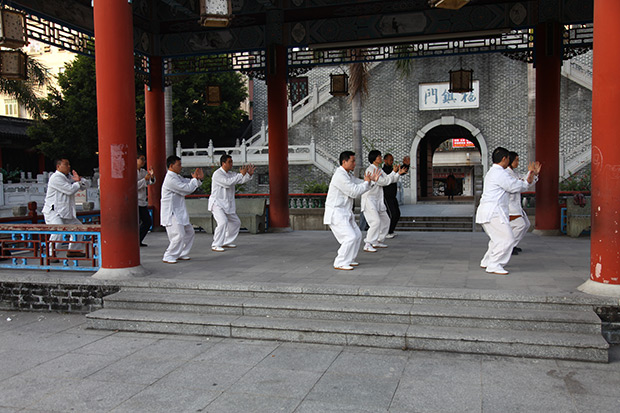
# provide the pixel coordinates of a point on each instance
(278, 138)
(548, 61)
(117, 137)
(605, 235)
(155, 133)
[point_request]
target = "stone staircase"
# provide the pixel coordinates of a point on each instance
(466, 321)
(436, 223)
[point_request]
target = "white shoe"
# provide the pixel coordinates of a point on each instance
(344, 268)
(369, 248)
(499, 271)
(217, 249)
(184, 258)
(169, 261)
(379, 245)
(229, 246)
(354, 264)
(390, 236)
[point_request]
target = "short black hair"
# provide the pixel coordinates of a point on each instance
(59, 161)
(224, 158)
(344, 156)
(171, 160)
(139, 154)
(372, 155)
(387, 154)
(499, 153)
(512, 156)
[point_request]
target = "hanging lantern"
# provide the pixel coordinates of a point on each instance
(339, 84)
(448, 4)
(215, 13)
(13, 64)
(461, 81)
(214, 96)
(12, 29)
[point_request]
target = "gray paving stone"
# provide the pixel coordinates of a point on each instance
(206, 375)
(335, 406)
(365, 392)
(365, 364)
(300, 358)
(421, 395)
(115, 344)
(455, 372)
(234, 402)
(24, 391)
(172, 348)
(596, 403)
(238, 352)
(87, 395)
(74, 365)
(164, 399)
(277, 382)
(137, 370)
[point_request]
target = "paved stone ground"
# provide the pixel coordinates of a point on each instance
(50, 362)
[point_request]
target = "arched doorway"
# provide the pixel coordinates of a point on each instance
(427, 140)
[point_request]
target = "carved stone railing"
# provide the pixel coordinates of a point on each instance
(575, 159)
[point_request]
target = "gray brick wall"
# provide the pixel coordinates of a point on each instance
(391, 117)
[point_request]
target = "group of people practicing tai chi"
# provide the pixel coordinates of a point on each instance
(500, 212)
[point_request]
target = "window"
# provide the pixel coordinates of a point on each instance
(11, 108)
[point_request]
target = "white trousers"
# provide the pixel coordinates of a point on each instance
(349, 236)
(500, 244)
(52, 218)
(227, 228)
(378, 225)
(520, 226)
(181, 239)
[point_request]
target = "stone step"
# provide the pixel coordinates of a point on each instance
(372, 294)
(542, 344)
(412, 313)
(433, 229)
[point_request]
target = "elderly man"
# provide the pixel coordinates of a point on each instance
(343, 189)
(222, 202)
(373, 204)
(174, 216)
(519, 222)
(59, 207)
(492, 213)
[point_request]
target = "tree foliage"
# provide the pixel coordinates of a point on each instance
(194, 121)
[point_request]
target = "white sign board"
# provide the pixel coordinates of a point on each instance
(435, 96)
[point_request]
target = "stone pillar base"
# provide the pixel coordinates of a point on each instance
(596, 288)
(121, 273)
(279, 230)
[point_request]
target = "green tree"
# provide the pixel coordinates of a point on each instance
(26, 91)
(194, 121)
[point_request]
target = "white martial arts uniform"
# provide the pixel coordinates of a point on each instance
(492, 214)
(343, 189)
(174, 214)
(374, 209)
(519, 225)
(222, 205)
(59, 205)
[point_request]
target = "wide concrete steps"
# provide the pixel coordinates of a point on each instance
(513, 325)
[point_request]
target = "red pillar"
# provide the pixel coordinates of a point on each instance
(155, 133)
(41, 163)
(117, 133)
(605, 236)
(548, 61)
(278, 138)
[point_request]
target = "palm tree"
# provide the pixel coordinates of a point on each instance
(25, 91)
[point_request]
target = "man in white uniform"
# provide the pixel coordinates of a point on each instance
(174, 216)
(373, 205)
(343, 189)
(492, 212)
(145, 178)
(59, 206)
(222, 202)
(519, 222)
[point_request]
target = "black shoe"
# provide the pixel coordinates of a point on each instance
(515, 252)
(143, 245)
(518, 249)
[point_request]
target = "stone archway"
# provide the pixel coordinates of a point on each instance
(411, 193)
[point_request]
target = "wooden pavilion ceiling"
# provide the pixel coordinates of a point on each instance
(170, 28)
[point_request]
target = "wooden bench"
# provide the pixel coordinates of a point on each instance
(251, 212)
(578, 218)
